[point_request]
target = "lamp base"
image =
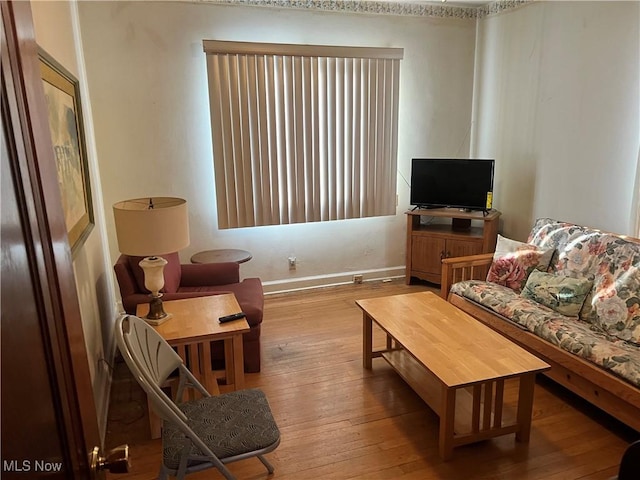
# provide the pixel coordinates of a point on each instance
(157, 315)
(155, 323)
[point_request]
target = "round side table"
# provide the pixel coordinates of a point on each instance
(221, 255)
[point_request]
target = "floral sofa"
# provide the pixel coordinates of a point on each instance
(572, 297)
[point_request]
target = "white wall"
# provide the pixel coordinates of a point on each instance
(147, 74)
(55, 26)
(557, 104)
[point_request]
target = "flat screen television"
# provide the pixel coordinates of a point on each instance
(452, 182)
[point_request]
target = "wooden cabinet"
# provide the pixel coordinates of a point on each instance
(458, 236)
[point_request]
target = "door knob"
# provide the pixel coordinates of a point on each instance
(116, 461)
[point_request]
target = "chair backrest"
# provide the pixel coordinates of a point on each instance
(151, 361)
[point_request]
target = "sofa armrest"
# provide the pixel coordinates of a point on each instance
(457, 269)
(201, 274)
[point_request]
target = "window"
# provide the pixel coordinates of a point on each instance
(302, 133)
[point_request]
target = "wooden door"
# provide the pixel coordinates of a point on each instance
(462, 248)
(48, 413)
(427, 253)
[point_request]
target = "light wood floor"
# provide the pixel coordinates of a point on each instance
(339, 421)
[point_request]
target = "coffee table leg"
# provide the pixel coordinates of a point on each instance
(447, 417)
(525, 406)
(367, 341)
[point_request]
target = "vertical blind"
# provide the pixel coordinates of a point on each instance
(302, 133)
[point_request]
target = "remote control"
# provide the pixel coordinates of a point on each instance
(233, 316)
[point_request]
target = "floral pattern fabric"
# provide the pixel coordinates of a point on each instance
(514, 261)
(585, 340)
(612, 263)
(563, 294)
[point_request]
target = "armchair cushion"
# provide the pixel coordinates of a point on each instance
(195, 275)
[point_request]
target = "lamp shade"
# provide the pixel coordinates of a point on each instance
(151, 226)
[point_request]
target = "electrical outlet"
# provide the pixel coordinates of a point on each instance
(357, 279)
(292, 262)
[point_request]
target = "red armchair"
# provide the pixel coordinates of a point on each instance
(199, 280)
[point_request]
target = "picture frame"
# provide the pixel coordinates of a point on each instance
(62, 95)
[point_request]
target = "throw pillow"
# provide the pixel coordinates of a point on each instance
(563, 294)
(513, 261)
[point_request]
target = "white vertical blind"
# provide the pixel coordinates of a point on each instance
(302, 133)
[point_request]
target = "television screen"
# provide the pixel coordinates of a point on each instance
(456, 183)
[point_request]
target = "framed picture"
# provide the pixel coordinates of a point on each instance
(61, 91)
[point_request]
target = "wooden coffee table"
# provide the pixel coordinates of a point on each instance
(455, 363)
(191, 329)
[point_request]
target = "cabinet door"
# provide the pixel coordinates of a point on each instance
(427, 254)
(462, 248)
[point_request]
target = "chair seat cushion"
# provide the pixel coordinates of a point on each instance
(230, 424)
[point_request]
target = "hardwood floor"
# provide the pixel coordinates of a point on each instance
(339, 421)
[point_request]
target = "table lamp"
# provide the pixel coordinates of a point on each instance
(150, 227)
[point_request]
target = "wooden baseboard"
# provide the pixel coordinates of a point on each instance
(339, 278)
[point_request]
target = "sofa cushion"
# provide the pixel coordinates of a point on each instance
(610, 353)
(563, 294)
(172, 272)
(513, 261)
(581, 339)
(505, 302)
(611, 262)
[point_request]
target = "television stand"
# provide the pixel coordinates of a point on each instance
(428, 244)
